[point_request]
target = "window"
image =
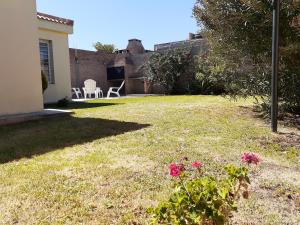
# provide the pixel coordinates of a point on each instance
(46, 57)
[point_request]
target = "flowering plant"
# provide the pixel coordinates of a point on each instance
(203, 200)
(250, 158)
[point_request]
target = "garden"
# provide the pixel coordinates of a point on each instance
(203, 154)
(109, 163)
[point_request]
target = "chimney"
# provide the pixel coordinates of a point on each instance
(191, 36)
(135, 46)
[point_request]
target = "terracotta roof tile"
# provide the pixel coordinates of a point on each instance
(54, 19)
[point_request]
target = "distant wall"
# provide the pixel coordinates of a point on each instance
(89, 65)
(197, 46)
(93, 65)
(20, 72)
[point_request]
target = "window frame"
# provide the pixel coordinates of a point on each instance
(50, 75)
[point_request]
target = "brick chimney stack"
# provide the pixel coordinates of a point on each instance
(191, 36)
(135, 46)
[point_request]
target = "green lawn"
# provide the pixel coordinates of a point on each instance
(109, 162)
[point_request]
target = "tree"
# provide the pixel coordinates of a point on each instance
(107, 48)
(173, 69)
(240, 37)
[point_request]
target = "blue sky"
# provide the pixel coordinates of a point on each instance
(116, 21)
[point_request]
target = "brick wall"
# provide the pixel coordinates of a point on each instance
(90, 65)
(93, 65)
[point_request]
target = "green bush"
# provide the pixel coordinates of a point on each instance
(180, 72)
(170, 69)
(239, 34)
(107, 48)
(44, 81)
(209, 76)
(63, 103)
(199, 199)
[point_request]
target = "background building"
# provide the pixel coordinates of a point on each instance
(31, 42)
(110, 69)
(53, 33)
(20, 71)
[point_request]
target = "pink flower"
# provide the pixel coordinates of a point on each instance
(175, 170)
(250, 158)
(196, 164)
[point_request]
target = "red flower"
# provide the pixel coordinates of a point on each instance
(250, 158)
(196, 164)
(175, 170)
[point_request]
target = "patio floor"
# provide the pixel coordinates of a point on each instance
(127, 96)
(46, 113)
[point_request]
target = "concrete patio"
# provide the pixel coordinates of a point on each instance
(127, 96)
(46, 113)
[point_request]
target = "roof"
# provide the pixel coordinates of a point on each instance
(180, 44)
(55, 19)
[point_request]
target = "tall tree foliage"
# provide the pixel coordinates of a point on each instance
(107, 48)
(173, 69)
(240, 37)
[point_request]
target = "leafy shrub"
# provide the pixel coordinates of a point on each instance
(107, 48)
(209, 76)
(199, 199)
(44, 81)
(180, 72)
(63, 103)
(170, 69)
(239, 34)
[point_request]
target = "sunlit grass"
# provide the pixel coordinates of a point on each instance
(109, 162)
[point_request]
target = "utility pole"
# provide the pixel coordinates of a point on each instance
(275, 61)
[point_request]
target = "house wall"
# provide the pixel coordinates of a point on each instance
(20, 74)
(61, 61)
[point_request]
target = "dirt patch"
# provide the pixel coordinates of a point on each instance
(291, 120)
(284, 140)
(134, 163)
(274, 196)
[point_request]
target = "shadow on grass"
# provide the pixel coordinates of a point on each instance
(81, 105)
(39, 137)
(287, 119)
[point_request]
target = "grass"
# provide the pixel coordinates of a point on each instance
(109, 162)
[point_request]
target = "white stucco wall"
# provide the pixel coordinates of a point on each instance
(20, 76)
(58, 34)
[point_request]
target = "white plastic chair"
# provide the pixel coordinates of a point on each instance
(115, 90)
(77, 92)
(90, 87)
(99, 93)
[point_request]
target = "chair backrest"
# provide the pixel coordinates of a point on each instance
(121, 85)
(90, 86)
